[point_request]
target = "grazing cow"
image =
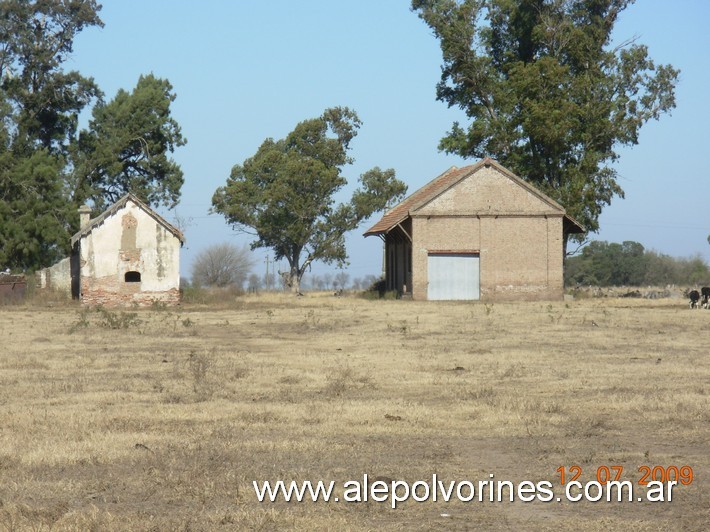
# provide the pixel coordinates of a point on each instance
(705, 297)
(694, 296)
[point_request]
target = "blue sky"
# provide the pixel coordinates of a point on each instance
(244, 71)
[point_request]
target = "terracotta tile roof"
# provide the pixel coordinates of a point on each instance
(95, 222)
(429, 191)
(440, 184)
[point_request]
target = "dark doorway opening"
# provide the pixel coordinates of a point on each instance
(133, 277)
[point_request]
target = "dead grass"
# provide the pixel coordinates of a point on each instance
(160, 419)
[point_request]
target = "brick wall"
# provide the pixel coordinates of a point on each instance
(515, 230)
(520, 257)
(111, 292)
(129, 240)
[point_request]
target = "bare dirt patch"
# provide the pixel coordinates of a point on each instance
(161, 419)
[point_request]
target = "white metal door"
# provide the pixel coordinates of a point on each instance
(454, 276)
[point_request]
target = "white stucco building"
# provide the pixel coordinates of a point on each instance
(126, 255)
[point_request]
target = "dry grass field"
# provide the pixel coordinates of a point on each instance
(161, 419)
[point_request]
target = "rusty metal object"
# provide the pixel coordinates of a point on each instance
(12, 288)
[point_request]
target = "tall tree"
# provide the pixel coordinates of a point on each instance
(547, 94)
(126, 147)
(40, 108)
(34, 213)
(36, 38)
(46, 169)
(284, 193)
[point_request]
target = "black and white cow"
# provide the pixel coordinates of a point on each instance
(705, 297)
(694, 297)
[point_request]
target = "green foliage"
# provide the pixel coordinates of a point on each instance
(37, 39)
(629, 264)
(126, 148)
(284, 193)
(546, 93)
(46, 169)
(34, 213)
(39, 108)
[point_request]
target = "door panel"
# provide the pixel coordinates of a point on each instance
(454, 276)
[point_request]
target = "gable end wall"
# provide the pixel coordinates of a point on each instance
(520, 256)
(129, 240)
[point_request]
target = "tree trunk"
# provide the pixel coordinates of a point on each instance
(565, 240)
(294, 281)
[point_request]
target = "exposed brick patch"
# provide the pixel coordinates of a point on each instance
(110, 291)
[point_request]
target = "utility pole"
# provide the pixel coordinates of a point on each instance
(267, 279)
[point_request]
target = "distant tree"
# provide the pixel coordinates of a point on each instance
(327, 278)
(629, 264)
(547, 93)
(317, 282)
(269, 280)
(305, 282)
(222, 265)
(356, 283)
(284, 194)
(341, 279)
(661, 269)
(608, 264)
(694, 270)
(254, 282)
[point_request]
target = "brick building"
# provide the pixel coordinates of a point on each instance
(126, 255)
(477, 232)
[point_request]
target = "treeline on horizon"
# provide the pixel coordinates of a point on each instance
(603, 263)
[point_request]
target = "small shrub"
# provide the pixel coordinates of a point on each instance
(344, 379)
(82, 321)
(200, 365)
(403, 327)
(158, 305)
(117, 320)
(106, 319)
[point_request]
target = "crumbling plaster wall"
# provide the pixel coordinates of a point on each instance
(129, 240)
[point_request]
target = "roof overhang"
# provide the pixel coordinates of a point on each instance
(572, 226)
(409, 206)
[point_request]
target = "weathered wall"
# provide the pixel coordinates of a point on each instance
(12, 288)
(56, 277)
(129, 240)
(518, 237)
(486, 192)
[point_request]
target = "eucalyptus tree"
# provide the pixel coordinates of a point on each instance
(548, 93)
(284, 194)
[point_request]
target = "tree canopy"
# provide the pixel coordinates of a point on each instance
(126, 147)
(47, 168)
(628, 264)
(548, 95)
(222, 265)
(284, 194)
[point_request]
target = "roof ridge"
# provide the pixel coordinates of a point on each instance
(121, 202)
(444, 182)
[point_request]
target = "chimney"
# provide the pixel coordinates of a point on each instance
(84, 215)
